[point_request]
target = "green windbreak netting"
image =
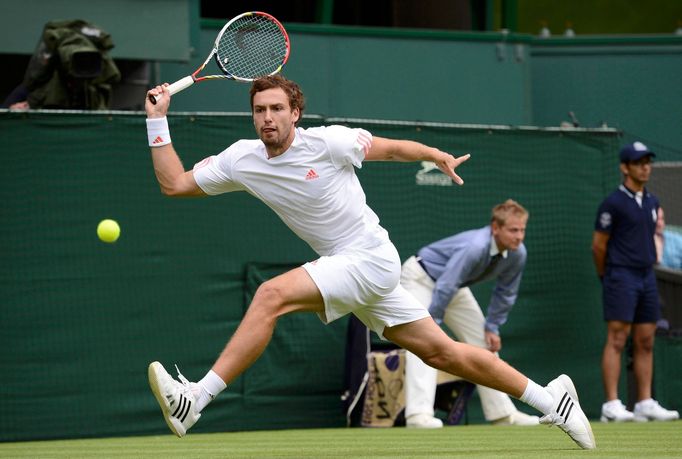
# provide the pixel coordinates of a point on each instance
(80, 320)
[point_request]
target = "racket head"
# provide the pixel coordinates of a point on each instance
(252, 45)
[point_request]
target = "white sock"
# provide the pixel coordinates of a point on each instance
(538, 397)
(207, 389)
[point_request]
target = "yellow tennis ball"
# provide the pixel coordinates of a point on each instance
(108, 230)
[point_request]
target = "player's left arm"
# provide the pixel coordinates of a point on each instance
(384, 149)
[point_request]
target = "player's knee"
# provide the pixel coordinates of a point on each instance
(268, 299)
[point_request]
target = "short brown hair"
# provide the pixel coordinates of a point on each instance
(501, 212)
(290, 88)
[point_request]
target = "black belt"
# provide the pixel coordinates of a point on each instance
(421, 263)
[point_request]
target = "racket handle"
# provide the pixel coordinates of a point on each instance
(175, 88)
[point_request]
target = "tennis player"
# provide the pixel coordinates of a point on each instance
(307, 177)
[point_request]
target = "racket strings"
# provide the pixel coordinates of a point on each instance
(251, 47)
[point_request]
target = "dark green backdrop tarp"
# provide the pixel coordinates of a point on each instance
(80, 320)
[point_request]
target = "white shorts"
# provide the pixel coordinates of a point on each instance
(365, 282)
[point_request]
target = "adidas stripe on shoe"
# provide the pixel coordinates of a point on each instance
(175, 399)
(567, 414)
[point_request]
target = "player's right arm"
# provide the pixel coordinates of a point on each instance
(170, 173)
(600, 240)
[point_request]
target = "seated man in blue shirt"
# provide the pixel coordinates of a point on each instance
(439, 277)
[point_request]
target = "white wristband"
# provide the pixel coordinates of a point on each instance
(158, 132)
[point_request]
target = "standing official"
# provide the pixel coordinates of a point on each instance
(624, 255)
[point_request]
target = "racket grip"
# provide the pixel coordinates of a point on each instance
(175, 88)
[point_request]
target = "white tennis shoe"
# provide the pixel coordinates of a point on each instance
(615, 411)
(650, 410)
(567, 414)
(175, 399)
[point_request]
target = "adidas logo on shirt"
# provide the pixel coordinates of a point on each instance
(311, 175)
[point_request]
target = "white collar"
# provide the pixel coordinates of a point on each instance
(494, 250)
(624, 189)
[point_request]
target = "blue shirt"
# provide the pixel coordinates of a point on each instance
(631, 227)
(459, 260)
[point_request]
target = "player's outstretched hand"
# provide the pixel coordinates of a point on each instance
(160, 109)
(448, 163)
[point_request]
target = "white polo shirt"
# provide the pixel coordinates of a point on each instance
(312, 186)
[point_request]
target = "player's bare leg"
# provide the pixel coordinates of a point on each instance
(293, 291)
(181, 401)
(558, 401)
(430, 343)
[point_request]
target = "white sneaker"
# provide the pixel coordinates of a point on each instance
(615, 411)
(567, 414)
(517, 418)
(423, 421)
(650, 410)
(176, 399)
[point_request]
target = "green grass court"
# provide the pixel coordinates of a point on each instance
(650, 440)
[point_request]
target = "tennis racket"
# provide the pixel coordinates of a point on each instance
(251, 45)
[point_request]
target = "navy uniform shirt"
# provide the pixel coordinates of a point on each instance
(459, 260)
(631, 227)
